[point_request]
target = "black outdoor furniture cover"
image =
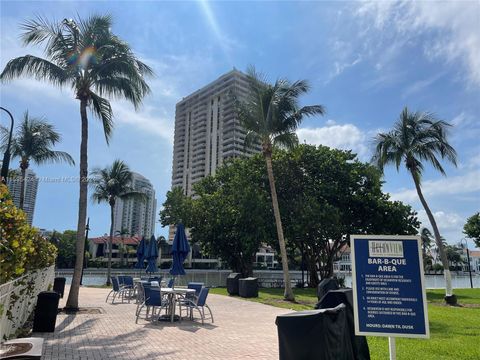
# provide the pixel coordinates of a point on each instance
(232, 283)
(345, 296)
(315, 335)
(326, 285)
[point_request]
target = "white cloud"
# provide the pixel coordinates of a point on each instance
(345, 137)
(454, 185)
(445, 221)
(149, 119)
(452, 26)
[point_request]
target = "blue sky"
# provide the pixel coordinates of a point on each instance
(365, 62)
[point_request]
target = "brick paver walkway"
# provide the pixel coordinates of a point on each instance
(242, 330)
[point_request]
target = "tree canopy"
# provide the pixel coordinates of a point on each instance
(472, 228)
(326, 195)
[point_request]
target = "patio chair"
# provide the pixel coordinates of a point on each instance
(200, 304)
(116, 290)
(153, 300)
(141, 296)
(197, 286)
(171, 282)
(128, 286)
(121, 280)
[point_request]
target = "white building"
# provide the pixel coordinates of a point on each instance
(134, 215)
(31, 187)
(207, 132)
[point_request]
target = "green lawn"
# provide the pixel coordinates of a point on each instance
(454, 331)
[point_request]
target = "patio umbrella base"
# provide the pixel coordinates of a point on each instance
(168, 318)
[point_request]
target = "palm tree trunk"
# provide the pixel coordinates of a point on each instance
(23, 169)
(110, 246)
(72, 301)
(278, 221)
(438, 239)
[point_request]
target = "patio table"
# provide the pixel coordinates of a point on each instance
(172, 294)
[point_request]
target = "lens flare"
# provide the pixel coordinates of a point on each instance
(84, 59)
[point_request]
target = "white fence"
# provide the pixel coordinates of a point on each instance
(266, 278)
(18, 298)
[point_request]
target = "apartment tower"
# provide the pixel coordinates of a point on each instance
(31, 187)
(207, 131)
(135, 216)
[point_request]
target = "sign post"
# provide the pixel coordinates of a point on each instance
(389, 287)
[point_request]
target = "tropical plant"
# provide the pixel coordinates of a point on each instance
(270, 114)
(33, 141)
(123, 248)
(86, 56)
(426, 237)
(109, 184)
(21, 247)
(418, 137)
(472, 228)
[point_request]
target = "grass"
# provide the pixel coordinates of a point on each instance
(454, 331)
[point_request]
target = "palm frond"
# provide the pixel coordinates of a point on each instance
(53, 157)
(35, 67)
(103, 110)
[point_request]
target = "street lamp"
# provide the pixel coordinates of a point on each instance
(468, 260)
(6, 156)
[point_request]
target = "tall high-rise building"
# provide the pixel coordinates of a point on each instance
(135, 216)
(207, 131)
(31, 187)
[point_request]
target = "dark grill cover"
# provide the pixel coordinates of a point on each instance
(232, 283)
(315, 335)
(326, 285)
(248, 287)
(345, 296)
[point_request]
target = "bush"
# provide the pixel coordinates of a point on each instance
(22, 248)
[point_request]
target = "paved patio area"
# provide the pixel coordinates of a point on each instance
(242, 330)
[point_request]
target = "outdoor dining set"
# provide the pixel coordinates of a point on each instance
(153, 294)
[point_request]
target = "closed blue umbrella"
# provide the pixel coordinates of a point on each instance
(152, 255)
(180, 250)
(141, 249)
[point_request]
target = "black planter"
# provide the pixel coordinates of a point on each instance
(59, 286)
(46, 311)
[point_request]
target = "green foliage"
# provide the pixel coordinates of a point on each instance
(66, 249)
(44, 254)
(326, 195)
(232, 214)
(177, 208)
(472, 228)
(16, 238)
(22, 248)
(33, 141)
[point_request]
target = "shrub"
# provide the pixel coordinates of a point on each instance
(22, 248)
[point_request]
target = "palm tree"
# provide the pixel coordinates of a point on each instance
(109, 184)
(270, 114)
(33, 141)
(86, 56)
(426, 238)
(418, 137)
(122, 234)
